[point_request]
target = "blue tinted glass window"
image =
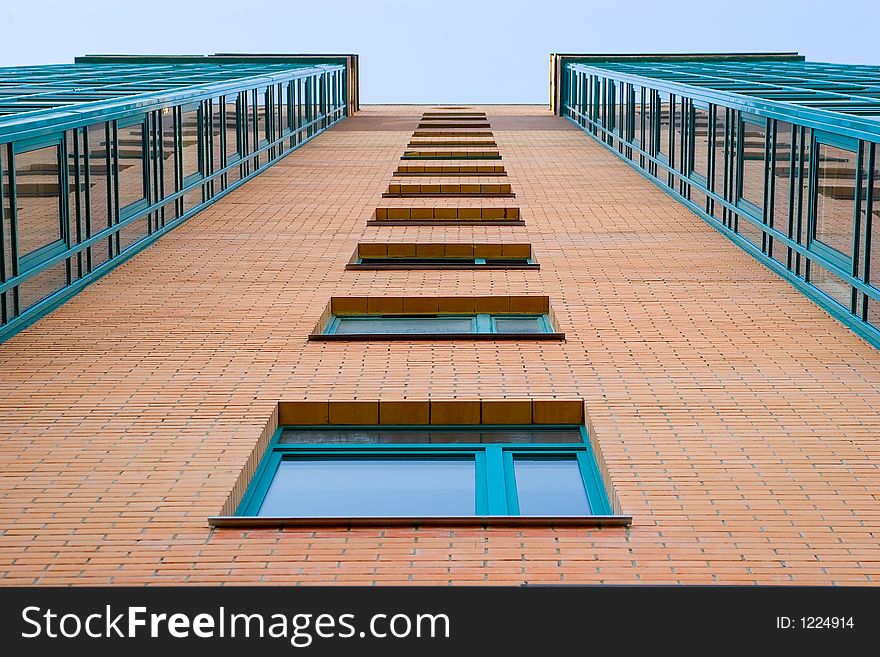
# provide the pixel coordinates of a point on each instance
(349, 325)
(372, 487)
(519, 325)
(550, 487)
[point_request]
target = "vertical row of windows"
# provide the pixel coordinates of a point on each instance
(801, 198)
(425, 464)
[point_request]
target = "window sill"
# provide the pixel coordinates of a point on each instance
(397, 337)
(446, 222)
(449, 195)
(391, 266)
(253, 522)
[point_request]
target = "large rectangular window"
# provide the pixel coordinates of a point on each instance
(518, 324)
(352, 472)
(442, 256)
(40, 223)
(664, 112)
(753, 136)
(834, 200)
(132, 153)
(699, 168)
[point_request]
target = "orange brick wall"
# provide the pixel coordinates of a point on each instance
(738, 422)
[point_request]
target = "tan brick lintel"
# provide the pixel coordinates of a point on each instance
(436, 412)
(392, 213)
(441, 250)
(439, 305)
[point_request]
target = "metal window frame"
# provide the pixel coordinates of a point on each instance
(481, 323)
(495, 483)
(152, 93)
(23, 263)
(734, 97)
(748, 206)
(136, 206)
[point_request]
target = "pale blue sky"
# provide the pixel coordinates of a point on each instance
(453, 51)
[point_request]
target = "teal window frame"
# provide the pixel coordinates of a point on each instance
(139, 205)
(782, 242)
(750, 208)
(829, 254)
(496, 493)
(481, 323)
(665, 158)
(701, 178)
(236, 155)
(441, 261)
(37, 256)
(193, 178)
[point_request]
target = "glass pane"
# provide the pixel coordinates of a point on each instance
(835, 202)
(507, 261)
(169, 185)
(519, 325)
(189, 130)
(216, 129)
(677, 124)
(417, 261)
(232, 148)
(782, 188)
(372, 487)
(701, 141)
(5, 212)
(665, 107)
(390, 436)
(834, 286)
(550, 487)
(38, 201)
(284, 99)
(719, 156)
(131, 164)
(753, 164)
(874, 255)
(260, 113)
(637, 116)
(39, 287)
(415, 325)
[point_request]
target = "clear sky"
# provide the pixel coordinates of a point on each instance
(429, 52)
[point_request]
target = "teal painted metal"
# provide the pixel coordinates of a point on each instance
(777, 155)
(137, 147)
(495, 484)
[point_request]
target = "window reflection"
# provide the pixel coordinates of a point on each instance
(664, 108)
(38, 199)
(550, 487)
(132, 154)
(701, 141)
(373, 487)
(189, 134)
(753, 139)
(98, 189)
(835, 200)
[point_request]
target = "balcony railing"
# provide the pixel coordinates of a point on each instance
(780, 155)
(98, 160)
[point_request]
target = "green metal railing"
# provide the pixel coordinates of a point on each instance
(98, 160)
(779, 154)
